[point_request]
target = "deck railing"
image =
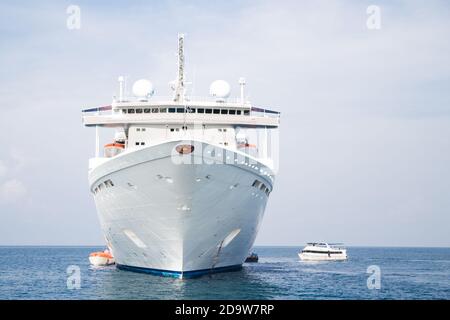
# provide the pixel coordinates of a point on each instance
(108, 110)
(187, 99)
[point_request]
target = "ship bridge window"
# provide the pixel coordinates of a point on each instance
(171, 110)
(200, 110)
(146, 110)
(191, 110)
(232, 111)
(238, 112)
(130, 110)
(143, 129)
(138, 110)
(216, 111)
(124, 110)
(246, 112)
(180, 110)
(155, 110)
(224, 111)
(138, 129)
(208, 110)
(163, 110)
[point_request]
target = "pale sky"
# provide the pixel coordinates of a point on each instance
(365, 127)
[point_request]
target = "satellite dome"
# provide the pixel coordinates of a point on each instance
(220, 89)
(143, 88)
(120, 136)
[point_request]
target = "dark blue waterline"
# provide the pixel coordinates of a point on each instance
(179, 274)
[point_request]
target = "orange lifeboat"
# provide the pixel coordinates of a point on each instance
(101, 258)
(113, 149)
(246, 145)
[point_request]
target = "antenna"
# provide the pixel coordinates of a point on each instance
(242, 84)
(193, 81)
(179, 86)
(121, 80)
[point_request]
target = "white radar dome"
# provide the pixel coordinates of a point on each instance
(143, 88)
(220, 89)
(120, 136)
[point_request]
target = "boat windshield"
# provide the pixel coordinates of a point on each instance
(326, 245)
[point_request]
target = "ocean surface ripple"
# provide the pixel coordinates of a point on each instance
(406, 273)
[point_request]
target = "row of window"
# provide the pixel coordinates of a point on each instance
(187, 110)
(178, 129)
(103, 185)
(261, 186)
(141, 143)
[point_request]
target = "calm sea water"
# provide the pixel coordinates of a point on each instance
(406, 273)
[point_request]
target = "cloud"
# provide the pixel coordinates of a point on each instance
(12, 191)
(19, 159)
(363, 112)
(3, 169)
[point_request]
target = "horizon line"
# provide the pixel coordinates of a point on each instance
(255, 246)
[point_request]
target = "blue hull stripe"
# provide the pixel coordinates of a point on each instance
(179, 274)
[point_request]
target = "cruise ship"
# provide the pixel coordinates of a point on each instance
(182, 184)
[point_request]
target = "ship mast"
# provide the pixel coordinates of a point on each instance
(179, 86)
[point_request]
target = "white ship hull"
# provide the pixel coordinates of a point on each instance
(178, 219)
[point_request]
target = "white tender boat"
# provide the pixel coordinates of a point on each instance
(319, 251)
